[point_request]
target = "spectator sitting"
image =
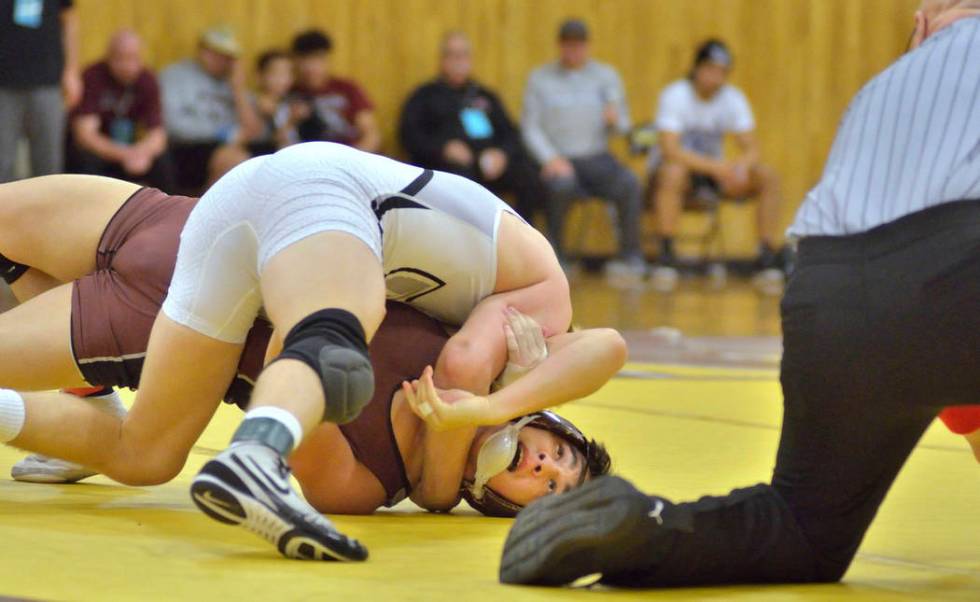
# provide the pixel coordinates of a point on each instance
(693, 116)
(206, 106)
(117, 128)
(454, 124)
(570, 109)
(277, 118)
(339, 109)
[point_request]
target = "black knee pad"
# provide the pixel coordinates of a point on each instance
(10, 271)
(332, 343)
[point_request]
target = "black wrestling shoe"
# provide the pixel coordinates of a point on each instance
(601, 527)
(248, 485)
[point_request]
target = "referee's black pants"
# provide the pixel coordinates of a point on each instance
(881, 331)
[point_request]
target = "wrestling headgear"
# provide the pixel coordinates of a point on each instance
(499, 450)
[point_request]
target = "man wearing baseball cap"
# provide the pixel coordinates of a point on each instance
(205, 108)
(692, 119)
(571, 108)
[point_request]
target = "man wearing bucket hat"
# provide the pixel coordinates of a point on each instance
(206, 107)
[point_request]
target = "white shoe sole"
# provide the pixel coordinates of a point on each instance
(284, 527)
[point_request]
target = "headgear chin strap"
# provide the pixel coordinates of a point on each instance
(483, 498)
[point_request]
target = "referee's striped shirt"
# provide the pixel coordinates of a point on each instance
(909, 140)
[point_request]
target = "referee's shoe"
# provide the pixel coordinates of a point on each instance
(605, 526)
(248, 485)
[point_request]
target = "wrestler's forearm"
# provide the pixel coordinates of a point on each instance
(444, 461)
(579, 364)
(476, 355)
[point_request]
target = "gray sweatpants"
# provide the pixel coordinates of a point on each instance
(605, 177)
(39, 115)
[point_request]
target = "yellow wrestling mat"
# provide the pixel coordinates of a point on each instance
(681, 432)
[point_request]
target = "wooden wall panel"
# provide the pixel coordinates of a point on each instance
(799, 61)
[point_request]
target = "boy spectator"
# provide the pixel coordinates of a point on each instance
(693, 117)
(339, 109)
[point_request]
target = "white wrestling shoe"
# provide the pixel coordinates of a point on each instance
(248, 485)
(37, 468)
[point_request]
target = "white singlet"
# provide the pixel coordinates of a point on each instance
(435, 233)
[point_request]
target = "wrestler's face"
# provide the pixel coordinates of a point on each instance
(548, 465)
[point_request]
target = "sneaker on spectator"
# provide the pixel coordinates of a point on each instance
(664, 277)
(769, 279)
(632, 268)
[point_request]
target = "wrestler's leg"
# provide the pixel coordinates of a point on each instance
(248, 484)
(35, 344)
(295, 284)
(183, 379)
(32, 283)
(54, 223)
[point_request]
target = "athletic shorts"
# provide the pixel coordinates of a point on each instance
(113, 308)
(251, 214)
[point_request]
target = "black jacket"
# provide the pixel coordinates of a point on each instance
(431, 118)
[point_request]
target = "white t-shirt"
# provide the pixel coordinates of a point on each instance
(701, 123)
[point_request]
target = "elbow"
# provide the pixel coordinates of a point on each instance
(557, 318)
(433, 501)
(616, 350)
(463, 365)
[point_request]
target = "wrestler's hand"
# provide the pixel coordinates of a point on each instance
(526, 347)
(445, 410)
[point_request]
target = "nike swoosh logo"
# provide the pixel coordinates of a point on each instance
(655, 513)
(208, 498)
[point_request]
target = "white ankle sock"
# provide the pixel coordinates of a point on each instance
(110, 403)
(11, 415)
(281, 416)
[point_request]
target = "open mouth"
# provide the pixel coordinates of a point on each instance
(518, 456)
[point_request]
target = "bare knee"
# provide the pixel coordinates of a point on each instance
(372, 317)
(148, 465)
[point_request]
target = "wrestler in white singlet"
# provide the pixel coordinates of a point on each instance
(436, 233)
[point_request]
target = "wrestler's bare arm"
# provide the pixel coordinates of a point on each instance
(444, 462)
(475, 355)
(577, 365)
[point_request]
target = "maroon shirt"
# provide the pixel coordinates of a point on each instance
(335, 106)
(125, 112)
